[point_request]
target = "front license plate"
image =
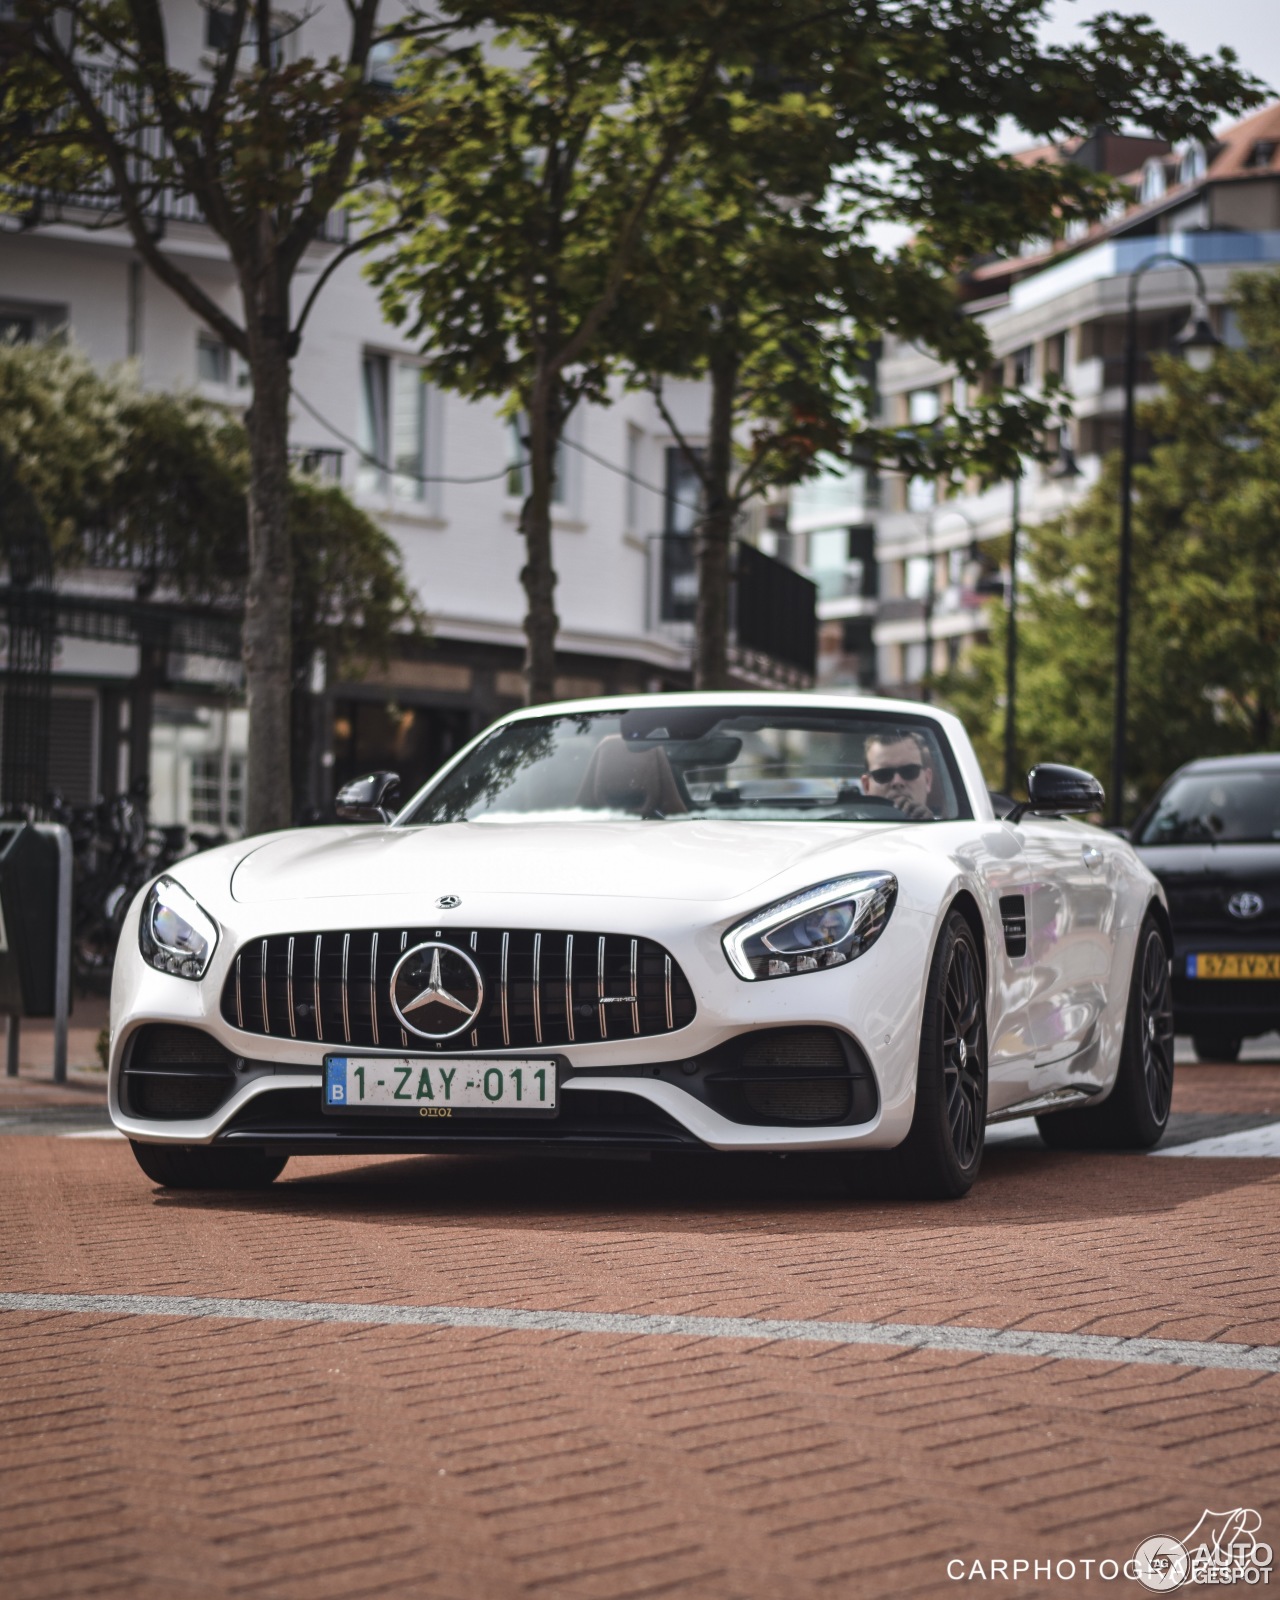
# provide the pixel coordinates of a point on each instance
(439, 1088)
(1235, 965)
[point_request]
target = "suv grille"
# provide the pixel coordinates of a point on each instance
(541, 990)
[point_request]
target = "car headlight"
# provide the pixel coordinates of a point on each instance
(176, 935)
(825, 926)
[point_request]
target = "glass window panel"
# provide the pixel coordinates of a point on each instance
(371, 477)
(408, 431)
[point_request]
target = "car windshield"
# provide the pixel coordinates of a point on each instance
(1239, 807)
(666, 763)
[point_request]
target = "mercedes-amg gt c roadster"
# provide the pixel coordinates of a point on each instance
(710, 922)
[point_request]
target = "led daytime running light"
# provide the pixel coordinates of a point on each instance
(176, 935)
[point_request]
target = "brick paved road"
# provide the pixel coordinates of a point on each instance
(165, 1457)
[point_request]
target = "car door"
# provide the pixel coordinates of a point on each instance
(1071, 937)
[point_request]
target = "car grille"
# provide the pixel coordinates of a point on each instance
(175, 1074)
(541, 990)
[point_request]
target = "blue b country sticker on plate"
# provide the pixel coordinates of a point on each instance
(335, 1081)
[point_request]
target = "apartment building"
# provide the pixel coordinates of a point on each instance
(939, 557)
(144, 692)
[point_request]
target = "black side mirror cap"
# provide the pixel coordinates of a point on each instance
(373, 798)
(1060, 791)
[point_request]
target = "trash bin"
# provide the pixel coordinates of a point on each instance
(28, 920)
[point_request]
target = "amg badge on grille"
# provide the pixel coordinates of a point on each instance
(436, 990)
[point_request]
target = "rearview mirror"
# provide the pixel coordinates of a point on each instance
(1060, 791)
(373, 798)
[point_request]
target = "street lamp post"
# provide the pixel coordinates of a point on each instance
(1197, 339)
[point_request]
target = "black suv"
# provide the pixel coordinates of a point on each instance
(1212, 837)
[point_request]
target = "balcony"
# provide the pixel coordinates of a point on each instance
(96, 198)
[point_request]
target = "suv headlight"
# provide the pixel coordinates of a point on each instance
(176, 935)
(825, 926)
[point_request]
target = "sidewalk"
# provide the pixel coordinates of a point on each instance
(86, 1080)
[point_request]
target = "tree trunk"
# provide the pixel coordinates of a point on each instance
(715, 533)
(268, 608)
(538, 574)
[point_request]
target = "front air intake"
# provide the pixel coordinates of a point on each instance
(175, 1074)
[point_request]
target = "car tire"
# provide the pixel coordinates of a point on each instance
(202, 1166)
(1136, 1112)
(942, 1154)
(1216, 1047)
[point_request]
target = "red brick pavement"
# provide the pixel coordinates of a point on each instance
(163, 1459)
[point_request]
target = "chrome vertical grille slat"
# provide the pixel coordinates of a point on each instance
(346, 998)
(539, 992)
(266, 1014)
(506, 1013)
(316, 981)
(293, 1019)
(373, 988)
(568, 985)
(537, 988)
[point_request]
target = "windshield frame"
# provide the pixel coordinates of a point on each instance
(782, 713)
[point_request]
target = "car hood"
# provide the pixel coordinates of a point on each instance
(704, 861)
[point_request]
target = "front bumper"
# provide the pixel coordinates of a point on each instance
(614, 1093)
(1241, 1008)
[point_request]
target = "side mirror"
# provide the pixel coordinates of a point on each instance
(373, 798)
(1060, 791)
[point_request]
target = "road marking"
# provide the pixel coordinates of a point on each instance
(93, 1133)
(900, 1335)
(1264, 1142)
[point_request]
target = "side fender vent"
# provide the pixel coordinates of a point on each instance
(1013, 916)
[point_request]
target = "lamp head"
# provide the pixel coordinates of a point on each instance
(1197, 341)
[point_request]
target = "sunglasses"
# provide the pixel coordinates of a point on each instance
(908, 774)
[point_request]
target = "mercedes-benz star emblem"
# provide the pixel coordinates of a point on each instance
(449, 902)
(1246, 904)
(436, 990)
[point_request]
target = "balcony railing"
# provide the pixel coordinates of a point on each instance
(149, 168)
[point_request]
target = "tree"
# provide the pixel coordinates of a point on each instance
(97, 120)
(760, 277)
(1205, 630)
(517, 175)
(158, 484)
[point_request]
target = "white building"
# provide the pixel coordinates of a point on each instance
(1061, 310)
(123, 709)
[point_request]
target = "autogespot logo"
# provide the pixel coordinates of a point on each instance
(436, 990)
(1224, 1547)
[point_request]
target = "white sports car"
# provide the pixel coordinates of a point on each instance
(719, 922)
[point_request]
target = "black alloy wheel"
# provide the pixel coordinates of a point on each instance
(942, 1153)
(1136, 1112)
(1156, 1026)
(963, 1051)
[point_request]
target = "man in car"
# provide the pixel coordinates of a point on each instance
(898, 769)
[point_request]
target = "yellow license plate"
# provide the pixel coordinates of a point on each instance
(1234, 965)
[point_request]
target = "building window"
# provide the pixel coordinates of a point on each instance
(1262, 154)
(1153, 181)
(25, 323)
(393, 428)
(219, 21)
(206, 792)
(213, 360)
(1193, 163)
(683, 498)
(916, 577)
(634, 436)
